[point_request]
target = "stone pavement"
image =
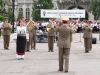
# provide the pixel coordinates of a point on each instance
(42, 62)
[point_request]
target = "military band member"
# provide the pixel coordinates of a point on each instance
(51, 35)
(31, 26)
(64, 44)
(34, 36)
(6, 32)
(87, 38)
(27, 49)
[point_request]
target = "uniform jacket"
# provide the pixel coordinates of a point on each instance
(87, 32)
(51, 32)
(32, 31)
(7, 29)
(65, 36)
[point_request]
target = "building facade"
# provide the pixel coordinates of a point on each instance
(24, 7)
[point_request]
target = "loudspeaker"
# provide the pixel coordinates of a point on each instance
(94, 40)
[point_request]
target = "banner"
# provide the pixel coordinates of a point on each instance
(59, 13)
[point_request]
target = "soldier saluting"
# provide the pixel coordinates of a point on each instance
(64, 43)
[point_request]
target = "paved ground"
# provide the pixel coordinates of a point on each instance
(41, 62)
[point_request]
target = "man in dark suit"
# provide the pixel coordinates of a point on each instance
(64, 43)
(51, 35)
(87, 38)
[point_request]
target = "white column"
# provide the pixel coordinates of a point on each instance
(31, 11)
(24, 11)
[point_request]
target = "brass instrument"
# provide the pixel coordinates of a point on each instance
(30, 25)
(48, 29)
(88, 28)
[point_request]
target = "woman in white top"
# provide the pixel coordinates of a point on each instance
(21, 39)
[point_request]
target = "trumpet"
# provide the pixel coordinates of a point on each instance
(48, 29)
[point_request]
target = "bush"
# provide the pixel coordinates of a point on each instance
(1, 18)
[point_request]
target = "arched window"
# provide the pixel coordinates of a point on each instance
(20, 12)
(28, 13)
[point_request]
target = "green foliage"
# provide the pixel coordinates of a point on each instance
(1, 4)
(47, 4)
(10, 16)
(95, 8)
(1, 18)
(2, 11)
(40, 4)
(2, 7)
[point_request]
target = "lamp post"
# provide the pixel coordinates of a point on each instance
(13, 7)
(39, 6)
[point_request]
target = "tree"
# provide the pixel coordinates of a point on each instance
(95, 8)
(1, 4)
(1, 18)
(2, 7)
(10, 16)
(40, 4)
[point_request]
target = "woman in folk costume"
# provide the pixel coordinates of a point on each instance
(6, 32)
(31, 27)
(21, 39)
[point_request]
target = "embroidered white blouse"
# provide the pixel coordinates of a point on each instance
(21, 30)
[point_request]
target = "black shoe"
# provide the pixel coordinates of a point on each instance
(60, 70)
(28, 51)
(34, 48)
(66, 71)
(22, 58)
(52, 51)
(86, 51)
(6, 48)
(18, 58)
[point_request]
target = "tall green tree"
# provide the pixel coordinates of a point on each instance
(40, 4)
(95, 8)
(1, 4)
(2, 9)
(10, 16)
